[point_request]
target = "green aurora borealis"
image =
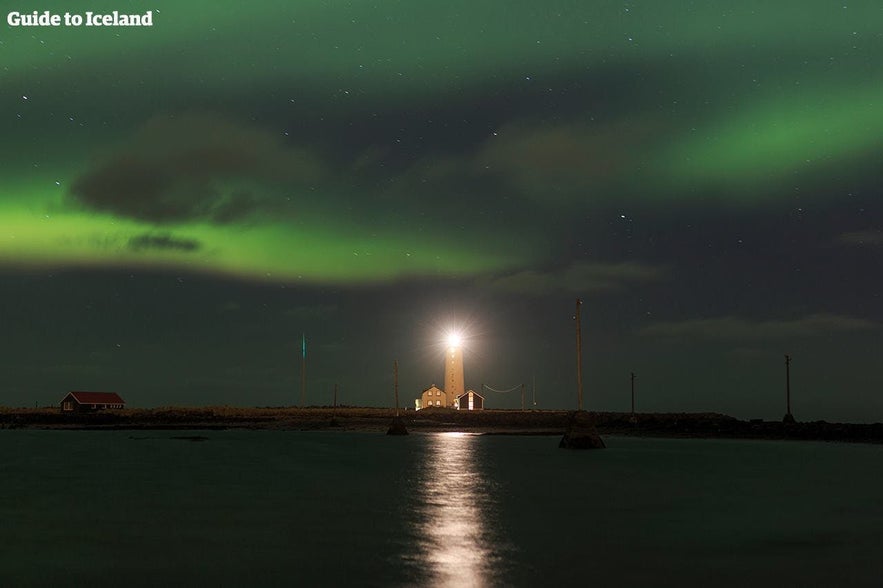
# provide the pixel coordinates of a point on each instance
(706, 175)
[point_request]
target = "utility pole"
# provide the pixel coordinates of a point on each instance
(633, 394)
(788, 383)
(581, 432)
(303, 370)
(397, 426)
(789, 418)
(395, 378)
(522, 398)
(579, 358)
(335, 396)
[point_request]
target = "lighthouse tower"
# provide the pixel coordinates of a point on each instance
(454, 386)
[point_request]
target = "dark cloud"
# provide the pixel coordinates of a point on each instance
(162, 241)
(868, 238)
(581, 277)
(538, 164)
(236, 205)
(541, 159)
(318, 311)
(228, 306)
(193, 167)
(734, 328)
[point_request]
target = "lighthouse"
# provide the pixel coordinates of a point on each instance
(455, 395)
(454, 384)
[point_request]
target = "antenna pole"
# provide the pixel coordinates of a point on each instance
(633, 393)
(579, 358)
(395, 378)
(787, 384)
(303, 370)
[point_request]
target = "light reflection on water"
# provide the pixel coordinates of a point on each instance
(262, 508)
(453, 514)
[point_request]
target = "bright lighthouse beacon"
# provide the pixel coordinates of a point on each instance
(455, 395)
(454, 386)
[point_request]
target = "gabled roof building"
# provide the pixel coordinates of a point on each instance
(91, 401)
(470, 400)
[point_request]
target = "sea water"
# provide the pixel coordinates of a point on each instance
(273, 508)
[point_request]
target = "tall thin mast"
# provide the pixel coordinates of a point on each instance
(534, 390)
(579, 358)
(787, 384)
(633, 393)
(303, 370)
(395, 378)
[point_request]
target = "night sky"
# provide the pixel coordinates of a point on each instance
(180, 203)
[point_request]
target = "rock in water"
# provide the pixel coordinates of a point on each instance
(581, 433)
(397, 427)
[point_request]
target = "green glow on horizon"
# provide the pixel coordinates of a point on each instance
(268, 252)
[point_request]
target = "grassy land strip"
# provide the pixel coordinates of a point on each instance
(536, 422)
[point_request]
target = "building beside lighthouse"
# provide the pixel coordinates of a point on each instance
(455, 394)
(432, 396)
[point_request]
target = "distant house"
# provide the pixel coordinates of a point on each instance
(432, 396)
(470, 400)
(91, 401)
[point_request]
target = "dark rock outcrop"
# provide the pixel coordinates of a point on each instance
(397, 427)
(581, 433)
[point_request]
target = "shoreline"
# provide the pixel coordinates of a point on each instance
(489, 422)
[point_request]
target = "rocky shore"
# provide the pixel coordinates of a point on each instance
(512, 422)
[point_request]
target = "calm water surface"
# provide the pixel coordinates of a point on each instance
(262, 508)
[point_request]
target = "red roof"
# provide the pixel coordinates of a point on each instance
(97, 397)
